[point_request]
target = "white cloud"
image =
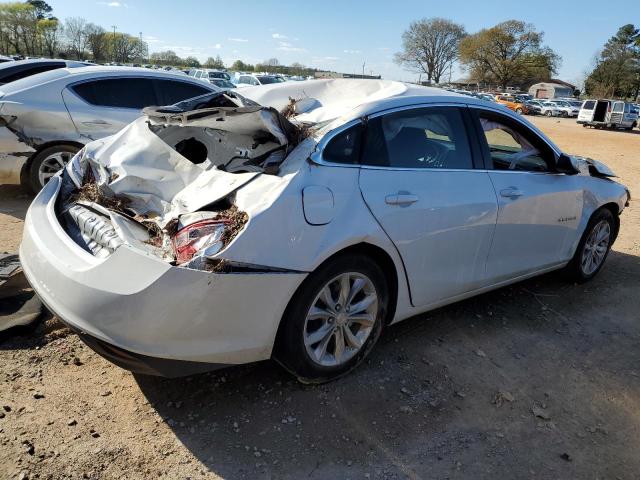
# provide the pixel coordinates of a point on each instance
(217, 46)
(279, 36)
(352, 51)
(332, 59)
(114, 4)
(242, 40)
(152, 39)
(285, 44)
(291, 49)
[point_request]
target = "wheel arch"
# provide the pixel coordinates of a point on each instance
(26, 167)
(380, 257)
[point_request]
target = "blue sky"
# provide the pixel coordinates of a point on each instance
(342, 35)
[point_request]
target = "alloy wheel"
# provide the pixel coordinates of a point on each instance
(52, 165)
(595, 248)
(341, 319)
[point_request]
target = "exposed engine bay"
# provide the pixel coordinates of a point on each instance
(165, 184)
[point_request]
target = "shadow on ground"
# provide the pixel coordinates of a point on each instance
(537, 380)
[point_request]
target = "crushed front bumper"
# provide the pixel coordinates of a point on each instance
(143, 306)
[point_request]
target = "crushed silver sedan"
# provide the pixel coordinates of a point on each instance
(297, 220)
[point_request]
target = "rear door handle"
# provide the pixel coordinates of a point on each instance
(511, 192)
(96, 122)
(401, 199)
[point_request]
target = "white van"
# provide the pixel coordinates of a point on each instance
(609, 114)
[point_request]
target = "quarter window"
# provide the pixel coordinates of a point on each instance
(170, 92)
(511, 147)
(118, 92)
(432, 137)
(344, 147)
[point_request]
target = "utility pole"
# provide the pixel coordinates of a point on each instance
(363, 64)
(113, 48)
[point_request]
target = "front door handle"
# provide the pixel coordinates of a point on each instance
(511, 192)
(401, 199)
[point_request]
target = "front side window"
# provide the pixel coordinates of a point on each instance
(618, 107)
(118, 92)
(432, 137)
(511, 147)
(589, 105)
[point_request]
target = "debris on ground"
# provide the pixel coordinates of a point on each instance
(540, 412)
(501, 397)
(20, 305)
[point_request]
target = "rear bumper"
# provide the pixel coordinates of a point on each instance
(143, 306)
(137, 363)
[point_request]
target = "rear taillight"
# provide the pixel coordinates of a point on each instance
(198, 236)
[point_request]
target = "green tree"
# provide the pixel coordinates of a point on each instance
(240, 66)
(617, 69)
(192, 62)
(214, 62)
(49, 31)
(430, 46)
(510, 53)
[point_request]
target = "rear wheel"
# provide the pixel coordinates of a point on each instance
(333, 320)
(594, 247)
(47, 163)
(549, 113)
(519, 111)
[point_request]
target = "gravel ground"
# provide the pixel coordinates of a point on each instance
(538, 380)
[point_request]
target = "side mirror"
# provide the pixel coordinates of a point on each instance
(565, 165)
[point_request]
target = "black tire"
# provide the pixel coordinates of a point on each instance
(32, 174)
(574, 269)
(549, 113)
(519, 111)
(290, 350)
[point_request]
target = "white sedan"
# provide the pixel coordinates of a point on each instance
(223, 230)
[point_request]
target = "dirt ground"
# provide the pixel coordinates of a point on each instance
(540, 380)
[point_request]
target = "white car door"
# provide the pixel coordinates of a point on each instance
(418, 179)
(539, 209)
(101, 107)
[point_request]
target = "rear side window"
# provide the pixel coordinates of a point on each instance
(19, 73)
(118, 92)
(345, 146)
(434, 137)
(170, 92)
(588, 105)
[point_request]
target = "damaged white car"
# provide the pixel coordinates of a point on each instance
(298, 224)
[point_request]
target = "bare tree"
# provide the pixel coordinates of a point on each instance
(430, 46)
(75, 29)
(97, 42)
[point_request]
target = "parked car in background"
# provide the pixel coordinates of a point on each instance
(12, 71)
(511, 103)
(417, 198)
(608, 114)
(207, 74)
(46, 118)
(544, 107)
(565, 108)
(245, 79)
